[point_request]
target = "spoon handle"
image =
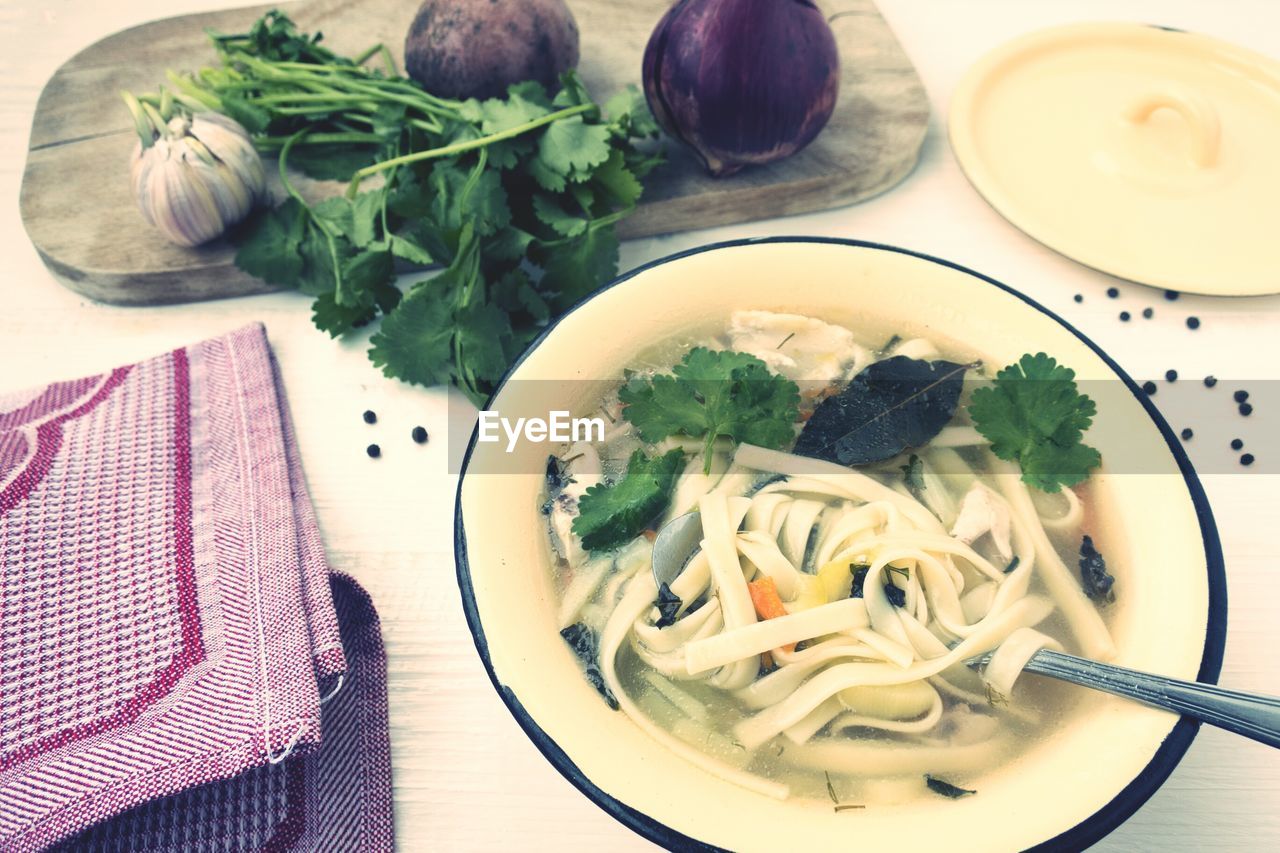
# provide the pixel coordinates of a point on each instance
(1249, 714)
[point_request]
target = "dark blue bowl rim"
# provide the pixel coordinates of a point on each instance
(1082, 835)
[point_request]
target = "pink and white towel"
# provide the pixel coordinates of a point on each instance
(174, 673)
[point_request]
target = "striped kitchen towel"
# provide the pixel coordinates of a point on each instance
(169, 628)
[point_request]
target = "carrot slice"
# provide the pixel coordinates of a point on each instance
(768, 604)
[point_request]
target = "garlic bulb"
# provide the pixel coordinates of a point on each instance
(198, 177)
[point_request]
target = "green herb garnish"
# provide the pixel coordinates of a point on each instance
(515, 197)
(611, 515)
(710, 394)
(1035, 415)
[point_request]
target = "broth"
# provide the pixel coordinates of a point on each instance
(814, 644)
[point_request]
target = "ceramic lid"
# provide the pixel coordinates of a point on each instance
(1144, 152)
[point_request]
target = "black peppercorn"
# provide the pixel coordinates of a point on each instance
(1113, 292)
(1171, 295)
(1210, 381)
(1246, 409)
(1193, 322)
(1236, 444)
(419, 435)
(374, 451)
(1246, 459)
(1171, 376)
(1148, 313)
(1124, 316)
(1078, 297)
(1187, 433)
(1149, 387)
(370, 417)
(1240, 396)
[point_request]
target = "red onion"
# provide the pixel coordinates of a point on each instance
(742, 81)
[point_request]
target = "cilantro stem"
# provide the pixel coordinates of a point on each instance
(309, 97)
(460, 147)
(352, 78)
(282, 163)
(708, 448)
(319, 139)
(157, 120)
(473, 178)
(363, 57)
(379, 49)
(188, 87)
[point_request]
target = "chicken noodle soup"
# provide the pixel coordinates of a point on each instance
(861, 541)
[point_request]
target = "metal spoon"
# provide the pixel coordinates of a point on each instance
(1250, 714)
(674, 545)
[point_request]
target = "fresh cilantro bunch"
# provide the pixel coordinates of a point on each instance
(710, 394)
(1036, 416)
(515, 198)
(611, 515)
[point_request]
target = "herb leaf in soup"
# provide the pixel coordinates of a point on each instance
(1098, 583)
(945, 788)
(586, 646)
(710, 394)
(889, 407)
(668, 605)
(913, 474)
(1036, 416)
(611, 515)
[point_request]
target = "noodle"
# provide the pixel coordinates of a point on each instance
(862, 668)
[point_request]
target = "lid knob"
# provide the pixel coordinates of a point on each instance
(1196, 111)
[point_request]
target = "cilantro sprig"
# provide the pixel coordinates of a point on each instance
(515, 198)
(611, 515)
(1036, 416)
(714, 393)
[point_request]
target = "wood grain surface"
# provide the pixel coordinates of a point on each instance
(78, 209)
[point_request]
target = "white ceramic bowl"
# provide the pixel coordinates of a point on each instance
(1066, 792)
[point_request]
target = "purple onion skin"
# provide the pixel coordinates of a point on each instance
(742, 82)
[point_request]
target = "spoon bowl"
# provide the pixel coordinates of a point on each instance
(674, 545)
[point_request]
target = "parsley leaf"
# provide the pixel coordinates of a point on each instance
(1036, 416)
(571, 147)
(617, 180)
(328, 316)
(611, 515)
(459, 196)
(332, 162)
(365, 271)
(414, 343)
(268, 248)
(550, 213)
(407, 248)
(521, 218)
(575, 267)
(710, 394)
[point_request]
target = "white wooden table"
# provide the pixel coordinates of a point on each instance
(465, 776)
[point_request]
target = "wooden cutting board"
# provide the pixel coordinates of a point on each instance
(79, 211)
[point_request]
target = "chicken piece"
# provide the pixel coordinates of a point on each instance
(811, 352)
(982, 512)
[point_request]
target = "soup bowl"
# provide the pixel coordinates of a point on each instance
(1072, 786)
